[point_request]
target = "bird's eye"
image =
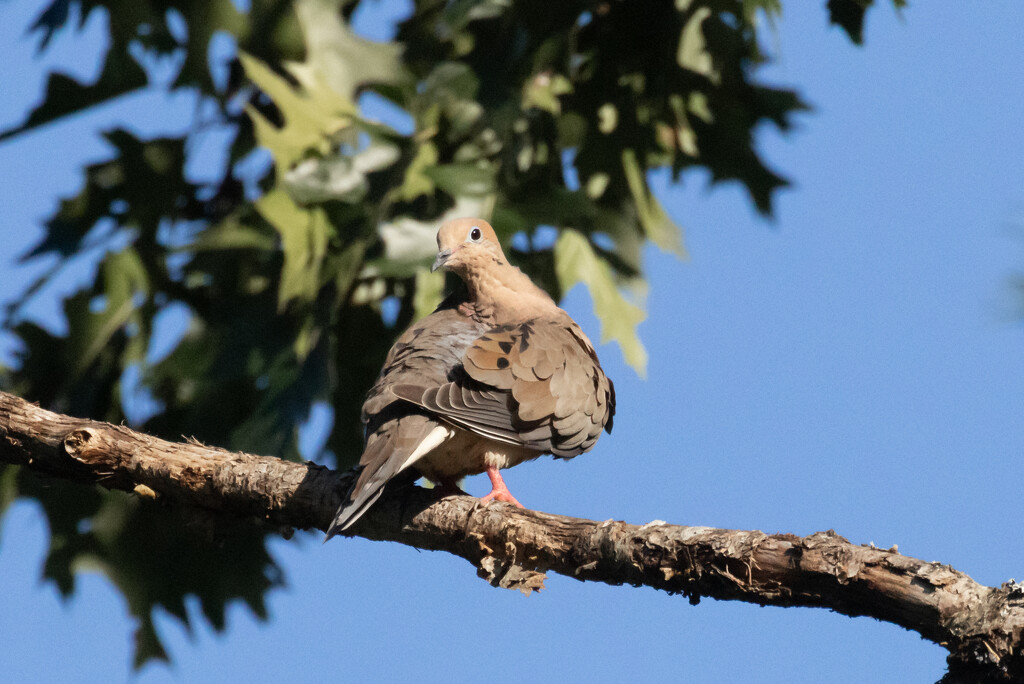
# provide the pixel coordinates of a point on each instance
(475, 234)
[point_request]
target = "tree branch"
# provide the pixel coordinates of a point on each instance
(982, 627)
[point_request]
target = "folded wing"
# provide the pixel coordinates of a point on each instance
(536, 384)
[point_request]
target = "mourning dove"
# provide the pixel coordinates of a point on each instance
(485, 382)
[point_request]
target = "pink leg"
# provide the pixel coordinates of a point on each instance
(499, 492)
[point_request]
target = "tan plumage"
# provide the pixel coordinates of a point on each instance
(487, 381)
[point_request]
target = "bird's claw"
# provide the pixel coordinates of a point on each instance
(501, 495)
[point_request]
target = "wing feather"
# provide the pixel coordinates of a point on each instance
(536, 384)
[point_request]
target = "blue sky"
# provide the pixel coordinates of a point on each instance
(855, 364)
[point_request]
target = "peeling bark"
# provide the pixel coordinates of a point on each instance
(981, 627)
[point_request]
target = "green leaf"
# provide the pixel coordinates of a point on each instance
(658, 227)
(416, 181)
(470, 179)
(313, 113)
(344, 59)
(338, 177)
(304, 235)
(576, 262)
(693, 52)
(94, 321)
(544, 90)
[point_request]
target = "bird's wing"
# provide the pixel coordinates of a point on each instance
(426, 354)
(536, 384)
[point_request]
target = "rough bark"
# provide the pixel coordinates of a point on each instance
(982, 627)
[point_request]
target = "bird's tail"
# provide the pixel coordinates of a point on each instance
(361, 495)
(390, 450)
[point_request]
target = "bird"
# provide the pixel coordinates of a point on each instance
(497, 375)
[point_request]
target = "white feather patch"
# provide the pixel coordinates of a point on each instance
(436, 437)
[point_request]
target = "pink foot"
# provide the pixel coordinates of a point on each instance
(499, 491)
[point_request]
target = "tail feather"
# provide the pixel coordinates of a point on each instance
(364, 493)
(348, 514)
(354, 507)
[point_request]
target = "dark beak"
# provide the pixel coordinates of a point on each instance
(442, 257)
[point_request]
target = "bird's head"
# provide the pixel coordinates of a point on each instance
(462, 241)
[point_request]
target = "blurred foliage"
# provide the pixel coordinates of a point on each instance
(849, 14)
(288, 281)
